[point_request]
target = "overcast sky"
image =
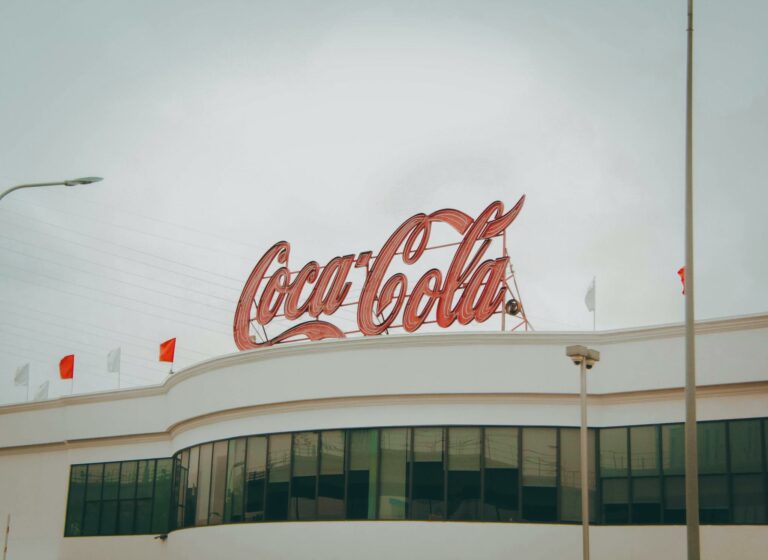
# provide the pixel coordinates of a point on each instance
(223, 127)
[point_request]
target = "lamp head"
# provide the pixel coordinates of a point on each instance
(83, 181)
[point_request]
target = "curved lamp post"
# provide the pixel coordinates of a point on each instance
(67, 183)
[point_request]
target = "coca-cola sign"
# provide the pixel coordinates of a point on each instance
(472, 288)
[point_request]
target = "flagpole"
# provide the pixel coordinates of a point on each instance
(594, 307)
(7, 530)
(691, 444)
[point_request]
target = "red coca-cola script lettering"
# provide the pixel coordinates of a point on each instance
(472, 289)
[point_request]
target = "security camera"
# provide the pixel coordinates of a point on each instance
(593, 356)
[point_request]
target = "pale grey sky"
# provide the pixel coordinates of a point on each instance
(223, 127)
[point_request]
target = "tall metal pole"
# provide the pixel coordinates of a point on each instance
(691, 447)
(584, 458)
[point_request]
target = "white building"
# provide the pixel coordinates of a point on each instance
(467, 439)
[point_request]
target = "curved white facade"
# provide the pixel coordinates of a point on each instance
(474, 379)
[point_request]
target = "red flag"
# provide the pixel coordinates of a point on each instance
(681, 274)
(167, 350)
(67, 367)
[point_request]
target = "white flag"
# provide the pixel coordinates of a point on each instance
(21, 379)
(589, 299)
(113, 361)
(42, 392)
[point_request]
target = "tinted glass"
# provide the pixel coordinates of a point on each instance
(304, 481)
(644, 443)
(182, 479)
(93, 486)
(330, 499)
(464, 445)
(673, 448)
(646, 500)
(203, 483)
(746, 448)
(394, 478)
(674, 500)
(613, 452)
(255, 478)
(427, 498)
(616, 500)
(108, 517)
(539, 474)
(233, 506)
(218, 482)
(713, 499)
(570, 474)
(279, 476)
(363, 474)
(190, 502)
(146, 479)
(125, 515)
(76, 500)
(162, 498)
(111, 481)
(502, 475)
(749, 498)
(91, 518)
(711, 443)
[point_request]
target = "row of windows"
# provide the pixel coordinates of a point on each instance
(121, 498)
(458, 473)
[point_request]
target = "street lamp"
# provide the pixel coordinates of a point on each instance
(67, 183)
(585, 358)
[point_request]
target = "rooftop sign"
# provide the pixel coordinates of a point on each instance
(471, 289)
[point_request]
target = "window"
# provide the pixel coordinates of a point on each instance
(362, 476)
(76, 500)
(190, 504)
(646, 500)
(233, 504)
(712, 451)
(674, 500)
(713, 499)
(93, 499)
(162, 498)
(330, 488)
(218, 482)
(613, 452)
(644, 443)
(570, 475)
(428, 471)
(464, 446)
(539, 474)
(304, 481)
(673, 448)
(203, 484)
(749, 498)
(394, 478)
(502, 474)
(255, 478)
(745, 445)
(278, 479)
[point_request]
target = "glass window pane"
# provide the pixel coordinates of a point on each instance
(746, 448)
(427, 500)
(330, 499)
(91, 518)
(363, 472)
(233, 507)
(203, 484)
(109, 517)
(615, 500)
(255, 478)
(128, 471)
(304, 480)
(501, 474)
(162, 499)
(570, 474)
(76, 500)
(673, 448)
(142, 524)
(613, 452)
(711, 442)
(643, 441)
(111, 481)
(539, 474)
(182, 479)
(394, 454)
(674, 500)
(279, 476)
(713, 499)
(126, 510)
(218, 482)
(190, 501)
(93, 487)
(464, 473)
(749, 498)
(146, 479)
(646, 501)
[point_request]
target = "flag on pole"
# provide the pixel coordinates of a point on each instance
(167, 350)
(21, 379)
(589, 299)
(67, 367)
(42, 392)
(681, 274)
(113, 361)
